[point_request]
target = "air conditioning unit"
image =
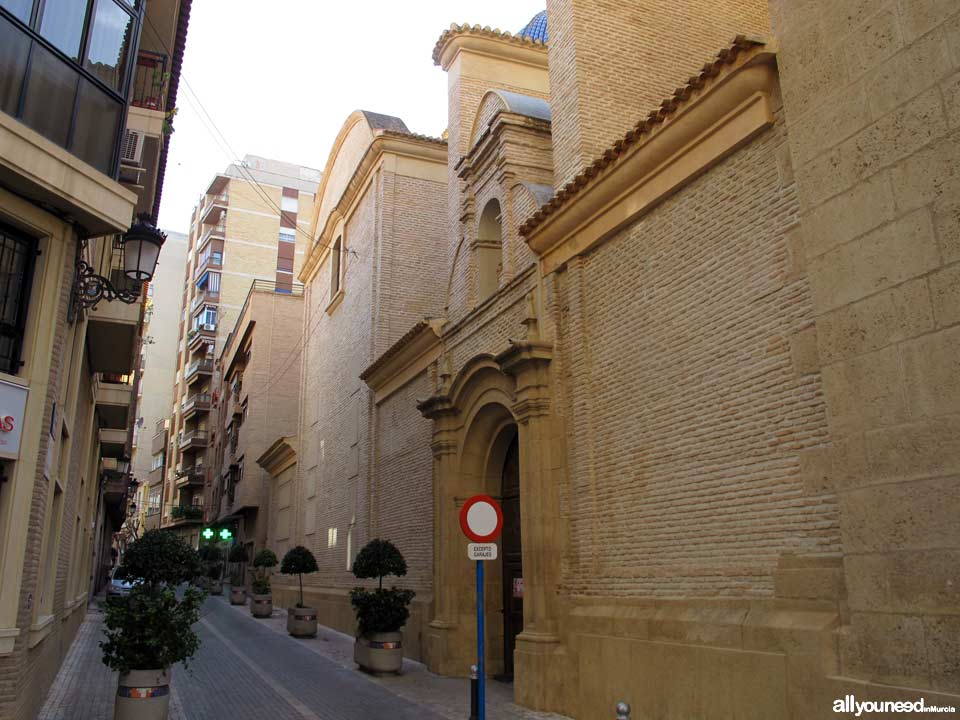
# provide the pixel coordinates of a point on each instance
(131, 150)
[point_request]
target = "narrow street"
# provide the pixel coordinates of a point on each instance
(248, 669)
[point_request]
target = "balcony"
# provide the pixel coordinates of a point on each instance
(193, 475)
(204, 332)
(199, 403)
(113, 442)
(214, 209)
(192, 440)
(198, 370)
(208, 261)
(186, 514)
(202, 297)
(85, 97)
(116, 486)
(214, 232)
(149, 81)
(112, 396)
(111, 333)
(155, 477)
(159, 442)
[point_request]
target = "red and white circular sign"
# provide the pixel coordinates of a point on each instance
(481, 518)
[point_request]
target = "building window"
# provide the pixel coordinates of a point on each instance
(207, 316)
(335, 261)
(488, 250)
(17, 254)
(289, 204)
(65, 67)
(287, 235)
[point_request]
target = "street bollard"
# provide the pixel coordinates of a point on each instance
(623, 711)
(474, 692)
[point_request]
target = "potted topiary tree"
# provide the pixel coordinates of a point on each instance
(261, 604)
(150, 629)
(238, 593)
(213, 557)
(301, 620)
(380, 613)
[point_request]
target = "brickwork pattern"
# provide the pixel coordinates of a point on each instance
(871, 90)
(611, 63)
(26, 673)
(392, 277)
(679, 347)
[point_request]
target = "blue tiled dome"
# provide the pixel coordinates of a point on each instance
(536, 29)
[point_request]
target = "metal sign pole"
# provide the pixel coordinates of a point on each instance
(482, 700)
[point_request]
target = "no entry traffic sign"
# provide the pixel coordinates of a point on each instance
(481, 519)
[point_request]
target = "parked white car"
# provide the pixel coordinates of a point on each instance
(118, 585)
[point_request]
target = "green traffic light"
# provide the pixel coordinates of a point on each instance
(207, 533)
(225, 534)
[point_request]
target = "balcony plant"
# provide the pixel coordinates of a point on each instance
(212, 556)
(151, 629)
(239, 556)
(301, 620)
(261, 604)
(380, 612)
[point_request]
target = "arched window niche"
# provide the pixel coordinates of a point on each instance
(488, 251)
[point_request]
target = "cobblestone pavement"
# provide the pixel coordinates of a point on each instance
(248, 668)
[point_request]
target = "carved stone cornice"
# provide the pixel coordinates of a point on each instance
(521, 355)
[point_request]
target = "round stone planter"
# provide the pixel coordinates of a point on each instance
(215, 587)
(379, 652)
(261, 606)
(302, 622)
(238, 595)
(142, 695)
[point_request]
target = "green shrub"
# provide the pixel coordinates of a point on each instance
(299, 561)
(380, 610)
(263, 561)
(213, 557)
(150, 628)
(238, 554)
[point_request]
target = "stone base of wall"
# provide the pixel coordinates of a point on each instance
(334, 611)
(44, 662)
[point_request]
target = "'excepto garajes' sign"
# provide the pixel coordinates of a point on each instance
(13, 405)
(482, 551)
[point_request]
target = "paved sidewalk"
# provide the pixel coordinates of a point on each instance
(448, 697)
(248, 668)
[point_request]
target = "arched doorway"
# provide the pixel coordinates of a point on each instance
(511, 555)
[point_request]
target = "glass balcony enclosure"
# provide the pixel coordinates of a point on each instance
(65, 71)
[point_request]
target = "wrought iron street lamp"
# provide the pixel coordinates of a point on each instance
(141, 249)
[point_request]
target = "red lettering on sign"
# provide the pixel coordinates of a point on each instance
(7, 423)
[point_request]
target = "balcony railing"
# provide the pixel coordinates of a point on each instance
(203, 331)
(214, 231)
(149, 81)
(199, 366)
(213, 209)
(196, 438)
(199, 402)
(187, 512)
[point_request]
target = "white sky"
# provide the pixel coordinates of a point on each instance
(279, 78)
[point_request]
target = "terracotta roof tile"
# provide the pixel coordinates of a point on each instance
(641, 131)
(465, 29)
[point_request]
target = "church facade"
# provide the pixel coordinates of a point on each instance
(685, 303)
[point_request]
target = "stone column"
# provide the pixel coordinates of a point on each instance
(439, 650)
(538, 646)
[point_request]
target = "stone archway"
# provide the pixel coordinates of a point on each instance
(474, 414)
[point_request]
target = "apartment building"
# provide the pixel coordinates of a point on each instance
(161, 324)
(258, 393)
(84, 132)
(249, 225)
